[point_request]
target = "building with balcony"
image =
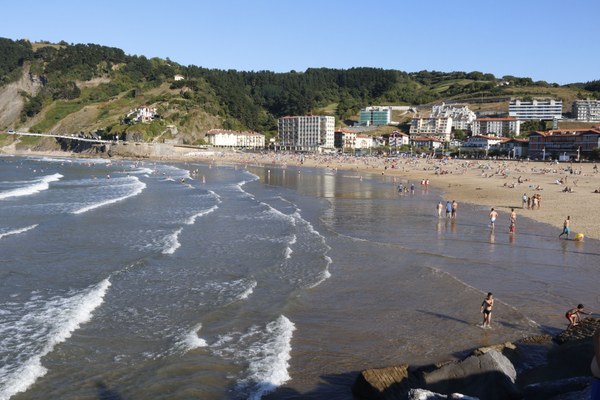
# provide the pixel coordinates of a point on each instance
(515, 148)
(461, 115)
(483, 142)
(496, 126)
(574, 143)
(235, 139)
(543, 109)
(437, 127)
(426, 142)
(398, 139)
(586, 110)
(306, 133)
(375, 116)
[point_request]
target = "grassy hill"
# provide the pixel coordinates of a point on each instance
(67, 88)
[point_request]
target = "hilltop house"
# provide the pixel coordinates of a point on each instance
(142, 114)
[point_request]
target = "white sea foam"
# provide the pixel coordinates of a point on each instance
(191, 220)
(268, 359)
(172, 242)
(34, 335)
(246, 293)
(17, 231)
(265, 351)
(33, 187)
(136, 186)
(191, 340)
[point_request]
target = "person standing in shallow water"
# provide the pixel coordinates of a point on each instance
(486, 309)
(493, 216)
(454, 209)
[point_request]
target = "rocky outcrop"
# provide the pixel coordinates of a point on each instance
(534, 368)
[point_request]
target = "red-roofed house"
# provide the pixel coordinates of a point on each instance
(561, 142)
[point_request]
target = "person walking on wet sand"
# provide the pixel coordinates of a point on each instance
(513, 220)
(573, 315)
(454, 209)
(486, 310)
(493, 216)
(440, 207)
(566, 227)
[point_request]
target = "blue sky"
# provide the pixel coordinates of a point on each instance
(551, 40)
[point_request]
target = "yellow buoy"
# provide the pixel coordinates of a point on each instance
(579, 237)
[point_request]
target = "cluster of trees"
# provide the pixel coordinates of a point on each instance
(242, 99)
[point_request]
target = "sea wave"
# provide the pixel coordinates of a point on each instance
(191, 220)
(33, 187)
(267, 353)
(26, 340)
(136, 187)
(17, 231)
(172, 242)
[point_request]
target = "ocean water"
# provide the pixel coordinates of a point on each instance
(147, 280)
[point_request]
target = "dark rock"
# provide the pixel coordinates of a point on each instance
(550, 389)
(382, 383)
(584, 331)
(489, 376)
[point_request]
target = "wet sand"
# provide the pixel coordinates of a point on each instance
(493, 183)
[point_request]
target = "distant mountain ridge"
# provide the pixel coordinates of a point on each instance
(69, 88)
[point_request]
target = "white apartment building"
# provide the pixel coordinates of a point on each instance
(306, 133)
(586, 110)
(440, 127)
(546, 109)
(363, 142)
(496, 126)
(398, 139)
(461, 115)
(235, 139)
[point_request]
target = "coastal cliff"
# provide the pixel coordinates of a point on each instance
(540, 367)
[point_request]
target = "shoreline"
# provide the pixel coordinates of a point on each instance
(500, 184)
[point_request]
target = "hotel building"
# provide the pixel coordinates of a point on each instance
(496, 126)
(306, 133)
(439, 127)
(535, 109)
(586, 110)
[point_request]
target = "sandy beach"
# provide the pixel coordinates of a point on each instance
(565, 189)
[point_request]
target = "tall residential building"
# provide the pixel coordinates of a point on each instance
(535, 109)
(496, 126)
(586, 110)
(439, 127)
(375, 116)
(306, 133)
(461, 116)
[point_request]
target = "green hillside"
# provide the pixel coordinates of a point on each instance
(70, 88)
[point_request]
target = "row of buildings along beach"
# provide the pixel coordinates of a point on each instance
(436, 130)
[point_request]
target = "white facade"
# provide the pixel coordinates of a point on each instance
(496, 126)
(142, 114)
(483, 142)
(234, 139)
(586, 110)
(306, 133)
(440, 127)
(398, 139)
(363, 142)
(462, 116)
(535, 109)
